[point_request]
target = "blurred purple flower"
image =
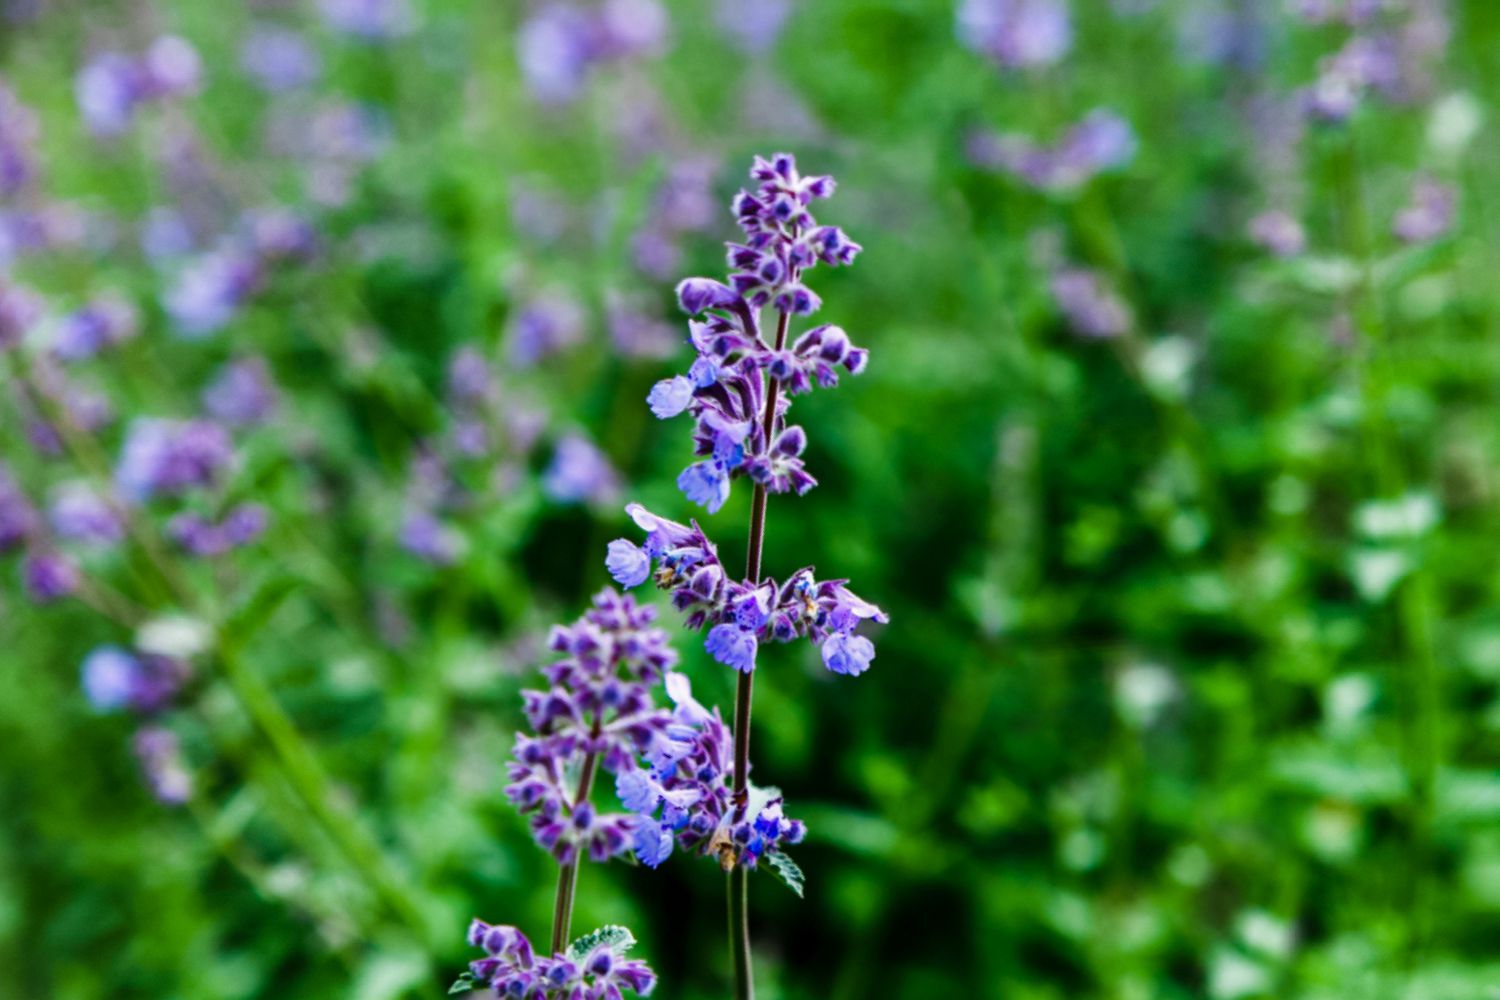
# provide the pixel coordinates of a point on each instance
(107, 90)
(20, 308)
(1279, 233)
(427, 538)
(48, 576)
(210, 290)
(559, 45)
(79, 513)
(1429, 214)
(99, 325)
(114, 679)
(1101, 142)
(752, 27)
(369, 20)
(1016, 33)
(242, 394)
(169, 457)
(543, 327)
(279, 59)
(17, 516)
(18, 135)
(160, 756)
(171, 68)
(200, 536)
(1091, 307)
(580, 473)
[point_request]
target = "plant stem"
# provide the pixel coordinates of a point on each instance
(567, 874)
(739, 877)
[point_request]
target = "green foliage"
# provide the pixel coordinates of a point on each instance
(617, 939)
(786, 869)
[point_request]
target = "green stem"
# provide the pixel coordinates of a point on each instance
(567, 875)
(739, 931)
(309, 781)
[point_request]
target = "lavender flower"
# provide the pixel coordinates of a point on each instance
(17, 517)
(49, 576)
(78, 513)
(242, 394)
(159, 754)
(97, 326)
(1278, 233)
(561, 44)
(18, 135)
(1091, 307)
(115, 679)
(426, 537)
(210, 290)
(20, 308)
(107, 90)
(742, 615)
(579, 473)
(543, 327)
(752, 27)
(1101, 142)
(1430, 213)
(682, 790)
(1017, 34)
(593, 967)
(167, 457)
(279, 59)
(200, 536)
(369, 20)
(597, 711)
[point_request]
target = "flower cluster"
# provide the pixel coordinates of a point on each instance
(1388, 54)
(596, 712)
(144, 684)
(725, 388)
(114, 86)
(1101, 142)
(561, 45)
(1016, 33)
(684, 793)
(593, 968)
(741, 615)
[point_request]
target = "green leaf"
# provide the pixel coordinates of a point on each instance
(787, 870)
(465, 983)
(617, 939)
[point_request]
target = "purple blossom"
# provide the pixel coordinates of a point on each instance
(49, 576)
(1278, 233)
(242, 393)
(369, 20)
(1017, 34)
(1101, 142)
(429, 539)
(210, 290)
(543, 327)
(1429, 214)
(1091, 307)
(670, 397)
(20, 308)
(511, 969)
(171, 68)
(159, 754)
(201, 536)
(681, 789)
(97, 326)
(559, 46)
(78, 513)
(169, 457)
(115, 679)
(579, 473)
(627, 563)
(107, 90)
(279, 59)
(18, 135)
(741, 616)
(17, 516)
(752, 27)
(597, 707)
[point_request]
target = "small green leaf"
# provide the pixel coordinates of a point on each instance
(617, 939)
(465, 983)
(787, 870)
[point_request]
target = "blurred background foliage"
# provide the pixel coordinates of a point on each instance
(1191, 683)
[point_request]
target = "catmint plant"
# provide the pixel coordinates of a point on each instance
(597, 712)
(694, 787)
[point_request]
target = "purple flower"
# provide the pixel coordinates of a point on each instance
(1430, 213)
(162, 764)
(95, 327)
(1091, 307)
(167, 457)
(48, 576)
(107, 90)
(1101, 142)
(706, 484)
(628, 563)
(18, 135)
(279, 59)
(844, 653)
(579, 473)
(200, 536)
(1016, 33)
(555, 48)
(1278, 233)
(369, 20)
(114, 679)
(210, 290)
(171, 68)
(20, 308)
(732, 646)
(78, 513)
(242, 394)
(17, 517)
(543, 327)
(670, 397)
(510, 968)
(752, 27)
(427, 538)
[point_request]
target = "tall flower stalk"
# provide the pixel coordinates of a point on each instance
(739, 391)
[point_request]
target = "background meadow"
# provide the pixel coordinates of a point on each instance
(326, 330)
